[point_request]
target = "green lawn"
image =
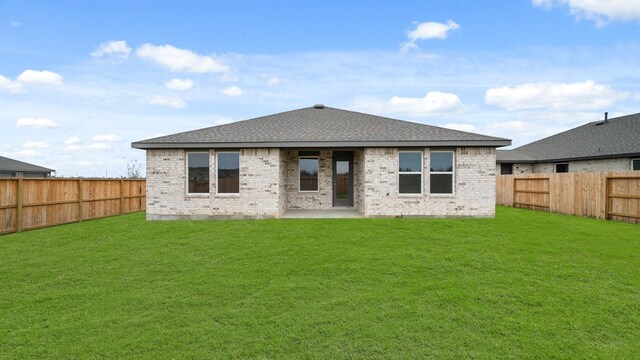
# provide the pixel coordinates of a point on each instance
(526, 284)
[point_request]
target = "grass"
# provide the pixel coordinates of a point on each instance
(527, 284)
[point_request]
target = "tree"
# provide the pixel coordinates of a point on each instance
(134, 169)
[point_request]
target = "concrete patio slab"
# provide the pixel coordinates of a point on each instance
(348, 213)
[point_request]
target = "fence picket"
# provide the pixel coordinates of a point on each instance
(603, 195)
(27, 203)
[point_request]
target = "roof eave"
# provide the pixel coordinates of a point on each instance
(321, 144)
(581, 158)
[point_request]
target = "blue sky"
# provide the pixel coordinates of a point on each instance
(80, 80)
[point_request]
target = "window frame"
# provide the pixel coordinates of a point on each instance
(452, 173)
(218, 180)
(187, 173)
(299, 178)
(635, 160)
(555, 168)
(421, 173)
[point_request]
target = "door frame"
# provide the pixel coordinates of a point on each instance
(342, 156)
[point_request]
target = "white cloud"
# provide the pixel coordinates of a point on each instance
(179, 84)
(115, 49)
(9, 86)
(35, 145)
(106, 138)
(100, 146)
(78, 147)
(231, 91)
(271, 80)
(432, 30)
(427, 30)
(14, 23)
(27, 153)
(172, 102)
(180, 59)
(44, 77)
(408, 46)
(600, 11)
(434, 102)
(559, 96)
(461, 127)
(73, 140)
(36, 123)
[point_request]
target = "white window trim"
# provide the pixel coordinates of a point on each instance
(421, 172)
(216, 174)
(632, 160)
(452, 173)
(555, 167)
(187, 173)
(309, 157)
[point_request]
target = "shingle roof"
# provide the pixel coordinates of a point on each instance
(320, 127)
(615, 137)
(12, 165)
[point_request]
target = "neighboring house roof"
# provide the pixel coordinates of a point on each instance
(320, 126)
(617, 137)
(11, 165)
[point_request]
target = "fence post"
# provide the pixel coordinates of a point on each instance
(121, 196)
(20, 197)
(513, 196)
(606, 197)
(80, 200)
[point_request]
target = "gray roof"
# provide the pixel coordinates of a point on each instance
(617, 137)
(11, 165)
(320, 126)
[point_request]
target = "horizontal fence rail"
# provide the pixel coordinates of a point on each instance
(602, 195)
(36, 203)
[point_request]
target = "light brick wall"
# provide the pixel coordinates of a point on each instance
(317, 200)
(358, 181)
(474, 182)
(618, 164)
(518, 168)
(283, 201)
(269, 186)
(259, 187)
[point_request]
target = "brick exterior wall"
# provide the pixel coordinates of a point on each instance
(474, 185)
(269, 186)
(617, 164)
(316, 200)
(359, 181)
(259, 187)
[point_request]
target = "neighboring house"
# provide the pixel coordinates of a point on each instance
(320, 158)
(607, 145)
(15, 168)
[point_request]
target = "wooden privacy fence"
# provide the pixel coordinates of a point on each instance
(602, 195)
(35, 203)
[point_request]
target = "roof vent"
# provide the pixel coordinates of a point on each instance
(606, 117)
(318, 106)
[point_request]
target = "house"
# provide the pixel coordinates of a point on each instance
(15, 168)
(606, 145)
(320, 158)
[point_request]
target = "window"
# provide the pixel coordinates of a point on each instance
(198, 172)
(635, 164)
(308, 173)
(410, 172)
(506, 169)
(228, 173)
(441, 168)
(562, 168)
